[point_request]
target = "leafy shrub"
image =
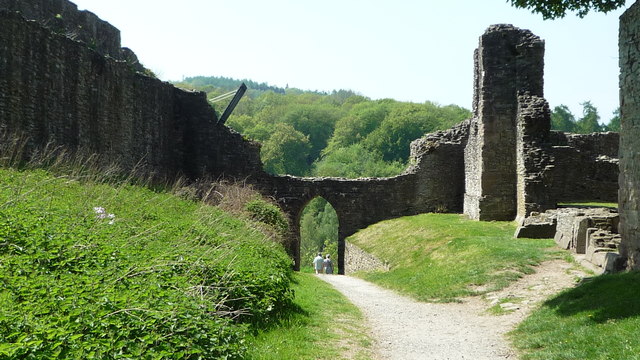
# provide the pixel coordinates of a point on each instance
(267, 213)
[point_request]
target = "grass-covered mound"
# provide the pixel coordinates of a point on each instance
(91, 270)
(440, 257)
(599, 319)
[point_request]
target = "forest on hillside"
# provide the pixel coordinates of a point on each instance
(345, 134)
(342, 134)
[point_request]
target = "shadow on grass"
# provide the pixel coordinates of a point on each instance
(605, 297)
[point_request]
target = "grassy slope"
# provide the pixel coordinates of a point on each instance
(599, 319)
(439, 257)
(154, 281)
(325, 326)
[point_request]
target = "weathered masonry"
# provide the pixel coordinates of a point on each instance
(508, 62)
(514, 164)
(64, 79)
(629, 196)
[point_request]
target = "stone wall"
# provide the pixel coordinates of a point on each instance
(558, 167)
(629, 195)
(586, 167)
(63, 17)
(54, 88)
(508, 62)
(535, 161)
(356, 259)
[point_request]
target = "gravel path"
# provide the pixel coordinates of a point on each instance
(406, 329)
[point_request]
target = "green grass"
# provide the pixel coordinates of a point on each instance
(599, 319)
(160, 278)
(441, 257)
(325, 326)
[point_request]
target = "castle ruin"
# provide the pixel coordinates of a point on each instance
(64, 79)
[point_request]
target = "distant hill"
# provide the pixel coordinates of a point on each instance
(228, 84)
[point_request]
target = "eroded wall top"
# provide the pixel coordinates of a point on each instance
(63, 17)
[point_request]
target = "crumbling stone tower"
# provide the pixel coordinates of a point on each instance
(508, 62)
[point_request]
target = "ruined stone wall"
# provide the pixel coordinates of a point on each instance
(629, 196)
(509, 61)
(57, 89)
(535, 161)
(437, 159)
(356, 259)
(555, 167)
(63, 17)
(586, 167)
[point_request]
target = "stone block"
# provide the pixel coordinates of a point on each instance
(536, 231)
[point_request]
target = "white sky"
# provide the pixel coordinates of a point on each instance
(409, 50)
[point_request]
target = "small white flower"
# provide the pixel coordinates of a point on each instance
(101, 213)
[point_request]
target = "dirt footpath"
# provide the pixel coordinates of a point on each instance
(406, 329)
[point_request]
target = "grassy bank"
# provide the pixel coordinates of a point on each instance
(441, 257)
(597, 320)
(324, 325)
(91, 270)
(101, 270)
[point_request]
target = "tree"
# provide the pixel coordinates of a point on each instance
(562, 119)
(407, 122)
(314, 121)
(363, 118)
(589, 122)
(614, 123)
(356, 161)
(553, 9)
(286, 151)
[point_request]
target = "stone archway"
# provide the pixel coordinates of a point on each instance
(319, 224)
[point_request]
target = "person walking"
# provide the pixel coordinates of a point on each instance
(318, 263)
(328, 265)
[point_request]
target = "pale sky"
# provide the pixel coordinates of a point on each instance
(408, 50)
